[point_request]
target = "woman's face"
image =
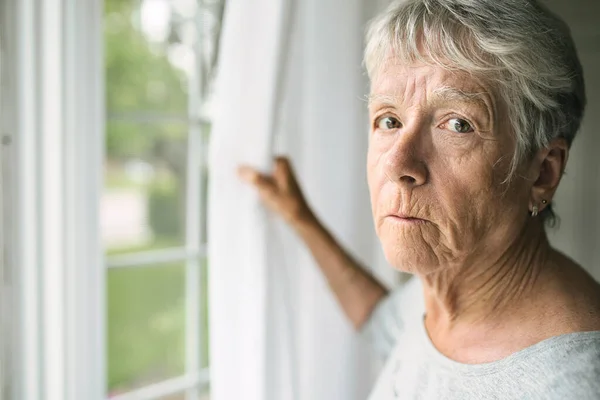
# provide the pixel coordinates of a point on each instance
(440, 147)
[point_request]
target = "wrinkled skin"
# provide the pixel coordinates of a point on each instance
(439, 150)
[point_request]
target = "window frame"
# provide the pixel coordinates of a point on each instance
(54, 270)
(53, 53)
(5, 246)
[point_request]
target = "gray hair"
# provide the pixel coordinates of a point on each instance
(520, 47)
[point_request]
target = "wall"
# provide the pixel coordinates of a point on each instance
(578, 197)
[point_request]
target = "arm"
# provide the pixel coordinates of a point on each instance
(356, 290)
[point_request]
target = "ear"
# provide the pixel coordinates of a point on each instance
(547, 172)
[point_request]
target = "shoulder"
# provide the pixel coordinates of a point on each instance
(405, 302)
(402, 309)
(409, 294)
(572, 366)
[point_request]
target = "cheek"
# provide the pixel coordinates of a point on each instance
(474, 199)
(376, 177)
(466, 190)
(372, 173)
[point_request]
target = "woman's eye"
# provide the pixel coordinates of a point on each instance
(459, 125)
(387, 123)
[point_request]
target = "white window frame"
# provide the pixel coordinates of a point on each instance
(6, 286)
(54, 269)
(56, 132)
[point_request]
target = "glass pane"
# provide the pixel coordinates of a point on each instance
(146, 325)
(143, 204)
(205, 356)
(176, 396)
(145, 59)
(204, 174)
(205, 393)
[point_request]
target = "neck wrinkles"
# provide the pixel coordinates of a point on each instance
(488, 287)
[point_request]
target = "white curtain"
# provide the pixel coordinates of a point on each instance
(291, 82)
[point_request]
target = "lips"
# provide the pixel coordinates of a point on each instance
(405, 216)
(406, 219)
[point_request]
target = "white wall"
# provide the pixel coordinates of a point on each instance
(578, 197)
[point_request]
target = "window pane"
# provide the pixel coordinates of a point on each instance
(143, 204)
(178, 396)
(205, 393)
(145, 60)
(146, 325)
(204, 359)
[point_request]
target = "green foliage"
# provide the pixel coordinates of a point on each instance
(165, 207)
(139, 77)
(154, 144)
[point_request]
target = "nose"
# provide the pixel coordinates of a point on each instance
(404, 162)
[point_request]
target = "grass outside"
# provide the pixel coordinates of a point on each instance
(146, 323)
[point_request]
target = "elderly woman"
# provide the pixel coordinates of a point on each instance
(473, 107)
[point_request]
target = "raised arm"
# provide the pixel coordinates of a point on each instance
(356, 290)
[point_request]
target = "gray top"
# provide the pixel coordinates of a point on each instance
(562, 367)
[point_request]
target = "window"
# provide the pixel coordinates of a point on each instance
(159, 63)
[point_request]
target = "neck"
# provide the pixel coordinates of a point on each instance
(490, 287)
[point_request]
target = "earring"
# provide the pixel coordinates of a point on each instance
(535, 211)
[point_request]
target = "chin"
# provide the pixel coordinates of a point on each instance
(410, 258)
(411, 247)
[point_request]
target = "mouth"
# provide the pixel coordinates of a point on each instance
(406, 220)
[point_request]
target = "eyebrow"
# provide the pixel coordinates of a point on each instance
(448, 93)
(445, 93)
(381, 98)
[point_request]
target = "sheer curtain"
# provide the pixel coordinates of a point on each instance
(290, 82)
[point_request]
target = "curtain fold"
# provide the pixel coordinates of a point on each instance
(290, 81)
(246, 91)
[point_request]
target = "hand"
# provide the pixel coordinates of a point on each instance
(280, 191)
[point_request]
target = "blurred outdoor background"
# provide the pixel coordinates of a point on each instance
(159, 59)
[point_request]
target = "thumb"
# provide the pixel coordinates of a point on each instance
(247, 174)
(263, 183)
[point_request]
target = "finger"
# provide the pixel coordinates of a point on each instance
(284, 173)
(269, 196)
(252, 176)
(284, 163)
(248, 174)
(268, 191)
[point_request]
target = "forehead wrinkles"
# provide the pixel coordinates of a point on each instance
(396, 87)
(426, 87)
(416, 88)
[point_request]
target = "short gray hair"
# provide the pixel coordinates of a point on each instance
(519, 46)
